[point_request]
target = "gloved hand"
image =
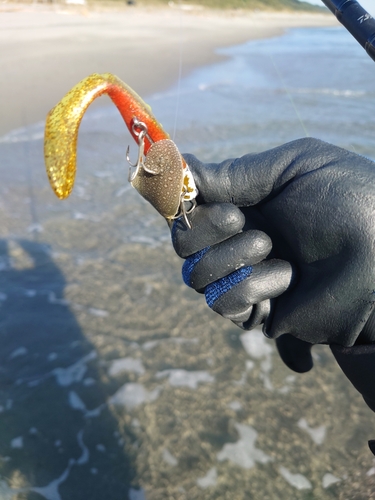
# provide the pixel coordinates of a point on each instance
(315, 282)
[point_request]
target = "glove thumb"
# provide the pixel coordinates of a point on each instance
(250, 179)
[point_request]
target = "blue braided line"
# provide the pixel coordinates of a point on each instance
(190, 263)
(216, 289)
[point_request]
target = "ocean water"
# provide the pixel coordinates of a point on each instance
(316, 82)
(116, 380)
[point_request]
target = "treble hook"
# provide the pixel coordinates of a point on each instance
(183, 212)
(141, 134)
(141, 144)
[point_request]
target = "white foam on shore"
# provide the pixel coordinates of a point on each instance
(169, 458)
(17, 442)
(256, 345)
(75, 372)
(6, 492)
(52, 299)
(51, 490)
(329, 479)
(175, 340)
(317, 434)
(184, 378)
(132, 395)
(235, 405)
(84, 458)
(20, 351)
(99, 313)
(89, 381)
(298, 481)
(210, 479)
(121, 365)
(76, 402)
(244, 452)
(137, 494)
(259, 348)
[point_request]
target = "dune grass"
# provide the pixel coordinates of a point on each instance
(243, 4)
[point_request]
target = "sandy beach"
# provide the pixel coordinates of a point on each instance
(45, 50)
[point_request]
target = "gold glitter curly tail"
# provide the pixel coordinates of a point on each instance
(61, 131)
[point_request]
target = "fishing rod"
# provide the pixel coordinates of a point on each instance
(356, 20)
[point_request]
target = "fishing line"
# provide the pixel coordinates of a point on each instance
(30, 185)
(359, 23)
(180, 58)
(286, 90)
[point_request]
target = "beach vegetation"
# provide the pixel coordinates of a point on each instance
(255, 5)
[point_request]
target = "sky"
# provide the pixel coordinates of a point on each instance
(369, 5)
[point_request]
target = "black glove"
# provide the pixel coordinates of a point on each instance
(316, 203)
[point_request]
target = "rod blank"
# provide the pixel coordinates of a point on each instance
(356, 20)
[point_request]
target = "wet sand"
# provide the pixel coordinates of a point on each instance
(116, 381)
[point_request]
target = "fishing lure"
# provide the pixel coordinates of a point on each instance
(160, 173)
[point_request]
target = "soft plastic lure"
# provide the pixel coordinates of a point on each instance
(160, 174)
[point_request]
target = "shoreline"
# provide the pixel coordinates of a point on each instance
(46, 50)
